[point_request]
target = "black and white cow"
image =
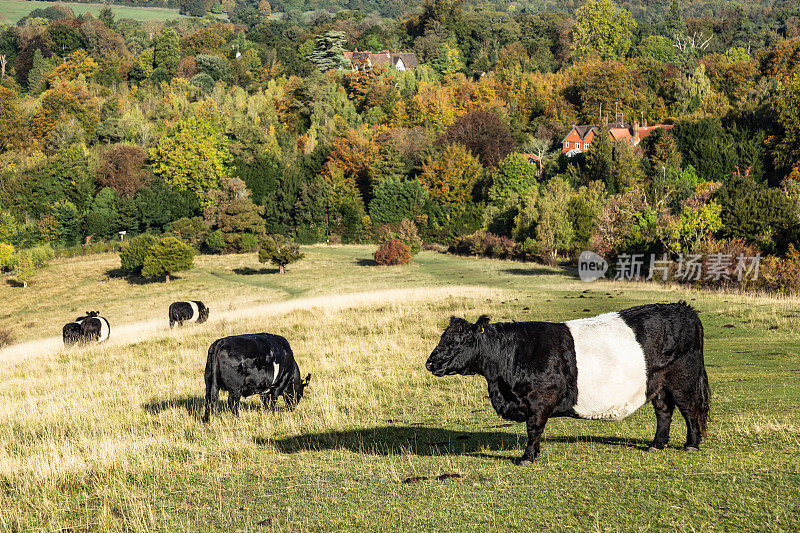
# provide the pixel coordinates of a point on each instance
(194, 311)
(91, 327)
(257, 363)
(603, 368)
(94, 327)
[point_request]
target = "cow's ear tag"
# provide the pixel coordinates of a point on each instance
(482, 330)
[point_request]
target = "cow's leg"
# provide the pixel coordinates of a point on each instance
(233, 401)
(692, 427)
(212, 396)
(664, 406)
(269, 400)
(535, 425)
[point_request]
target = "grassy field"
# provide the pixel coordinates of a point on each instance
(109, 437)
(13, 10)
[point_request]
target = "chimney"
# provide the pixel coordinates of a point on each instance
(636, 132)
(620, 118)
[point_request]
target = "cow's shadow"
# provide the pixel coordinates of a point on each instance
(429, 441)
(195, 405)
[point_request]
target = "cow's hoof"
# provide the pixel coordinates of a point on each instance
(524, 461)
(691, 449)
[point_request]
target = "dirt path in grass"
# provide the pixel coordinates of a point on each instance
(126, 334)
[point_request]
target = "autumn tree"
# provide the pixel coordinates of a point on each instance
(603, 29)
(10, 120)
(192, 156)
(483, 133)
(123, 169)
(451, 175)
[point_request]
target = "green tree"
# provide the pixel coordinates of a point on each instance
(37, 75)
(600, 159)
(193, 8)
(193, 156)
(603, 29)
(514, 177)
(166, 50)
(554, 231)
(396, 199)
(106, 16)
(167, 256)
(328, 52)
(280, 251)
(133, 253)
(231, 211)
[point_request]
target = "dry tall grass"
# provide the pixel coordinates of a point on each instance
(108, 437)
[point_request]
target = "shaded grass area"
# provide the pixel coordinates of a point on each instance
(13, 10)
(108, 437)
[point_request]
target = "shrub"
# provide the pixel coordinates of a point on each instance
(406, 232)
(166, 256)
(6, 253)
(484, 244)
(132, 254)
(781, 274)
(41, 254)
(190, 230)
(279, 251)
(215, 242)
(392, 252)
(248, 242)
(25, 268)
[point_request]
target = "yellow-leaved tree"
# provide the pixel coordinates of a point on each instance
(192, 156)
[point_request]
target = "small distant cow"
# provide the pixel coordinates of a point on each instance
(91, 327)
(603, 368)
(257, 363)
(194, 311)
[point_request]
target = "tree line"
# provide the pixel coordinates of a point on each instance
(222, 132)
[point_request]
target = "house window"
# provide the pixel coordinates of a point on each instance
(566, 145)
(577, 145)
(585, 146)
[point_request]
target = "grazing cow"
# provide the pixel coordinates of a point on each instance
(94, 327)
(257, 363)
(194, 311)
(603, 368)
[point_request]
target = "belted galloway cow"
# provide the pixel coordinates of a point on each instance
(257, 363)
(193, 311)
(603, 368)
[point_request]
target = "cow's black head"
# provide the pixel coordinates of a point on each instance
(458, 350)
(297, 390)
(203, 314)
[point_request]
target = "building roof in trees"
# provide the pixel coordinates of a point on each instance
(619, 130)
(402, 60)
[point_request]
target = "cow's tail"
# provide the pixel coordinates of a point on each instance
(703, 392)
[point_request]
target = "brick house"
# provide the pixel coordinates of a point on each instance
(580, 137)
(398, 60)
